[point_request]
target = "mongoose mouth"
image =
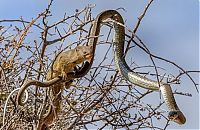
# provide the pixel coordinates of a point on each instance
(88, 56)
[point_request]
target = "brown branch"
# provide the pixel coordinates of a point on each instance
(36, 83)
(21, 21)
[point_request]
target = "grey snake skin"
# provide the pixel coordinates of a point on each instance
(119, 37)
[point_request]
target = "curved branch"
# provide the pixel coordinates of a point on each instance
(37, 83)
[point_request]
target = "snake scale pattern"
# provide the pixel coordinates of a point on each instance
(118, 47)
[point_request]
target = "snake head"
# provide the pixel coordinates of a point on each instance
(177, 116)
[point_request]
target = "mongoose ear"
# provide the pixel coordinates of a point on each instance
(77, 49)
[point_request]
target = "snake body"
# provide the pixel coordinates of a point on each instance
(119, 37)
(118, 47)
(37, 83)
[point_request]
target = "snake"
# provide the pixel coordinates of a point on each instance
(37, 83)
(175, 113)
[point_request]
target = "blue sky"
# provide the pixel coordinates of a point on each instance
(170, 29)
